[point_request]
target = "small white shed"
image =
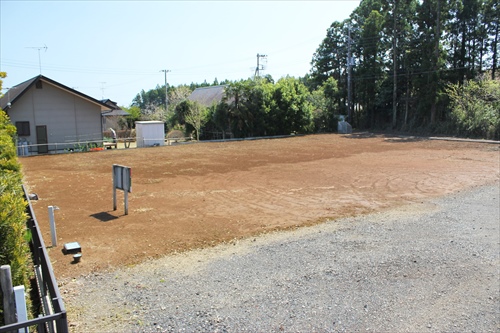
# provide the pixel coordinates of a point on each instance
(149, 133)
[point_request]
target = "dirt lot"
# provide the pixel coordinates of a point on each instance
(199, 195)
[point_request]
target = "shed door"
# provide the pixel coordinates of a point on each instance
(41, 139)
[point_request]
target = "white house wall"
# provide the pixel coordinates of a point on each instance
(68, 117)
(23, 111)
(88, 124)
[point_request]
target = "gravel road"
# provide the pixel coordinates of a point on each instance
(431, 266)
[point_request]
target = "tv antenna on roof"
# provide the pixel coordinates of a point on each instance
(39, 57)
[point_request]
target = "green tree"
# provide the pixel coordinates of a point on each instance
(405, 32)
(248, 104)
(177, 95)
(291, 110)
(258, 104)
(219, 117)
(236, 97)
(464, 41)
(195, 115)
(3, 75)
(329, 60)
(475, 108)
(154, 112)
(491, 12)
(406, 52)
(134, 114)
(400, 28)
(371, 68)
(318, 103)
(150, 99)
(429, 81)
(181, 110)
(325, 109)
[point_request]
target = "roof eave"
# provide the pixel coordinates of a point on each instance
(5, 100)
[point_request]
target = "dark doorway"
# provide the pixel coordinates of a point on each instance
(41, 139)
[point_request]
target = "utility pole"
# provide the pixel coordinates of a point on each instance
(166, 90)
(394, 61)
(259, 66)
(350, 63)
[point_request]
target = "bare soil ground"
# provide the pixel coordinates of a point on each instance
(199, 195)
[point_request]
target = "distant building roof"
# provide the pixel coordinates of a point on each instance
(117, 111)
(207, 96)
(109, 102)
(14, 93)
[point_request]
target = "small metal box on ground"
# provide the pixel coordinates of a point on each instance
(73, 247)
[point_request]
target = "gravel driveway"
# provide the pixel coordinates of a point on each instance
(427, 267)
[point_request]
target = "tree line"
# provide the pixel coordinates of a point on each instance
(413, 61)
(406, 53)
(249, 108)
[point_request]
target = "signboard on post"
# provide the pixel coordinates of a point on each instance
(122, 180)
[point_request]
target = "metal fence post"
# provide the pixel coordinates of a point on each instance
(9, 302)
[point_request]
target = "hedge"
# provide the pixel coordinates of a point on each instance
(14, 236)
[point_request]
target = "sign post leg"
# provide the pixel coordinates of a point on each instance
(114, 186)
(125, 199)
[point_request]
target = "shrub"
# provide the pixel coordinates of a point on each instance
(14, 249)
(475, 108)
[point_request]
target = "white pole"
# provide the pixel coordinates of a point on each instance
(22, 314)
(52, 226)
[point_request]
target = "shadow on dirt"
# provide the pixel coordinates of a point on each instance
(386, 137)
(360, 135)
(401, 139)
(104, 216)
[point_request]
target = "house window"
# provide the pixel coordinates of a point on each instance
(38, 84)
(23, 128)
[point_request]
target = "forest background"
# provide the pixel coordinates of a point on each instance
(415, 66)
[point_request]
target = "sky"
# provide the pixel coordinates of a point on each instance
(115, 49)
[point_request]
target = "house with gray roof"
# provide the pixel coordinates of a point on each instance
(111, 118)
(50, 116)
(207, 96)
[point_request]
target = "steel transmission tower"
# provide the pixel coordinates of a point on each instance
(260, 67)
